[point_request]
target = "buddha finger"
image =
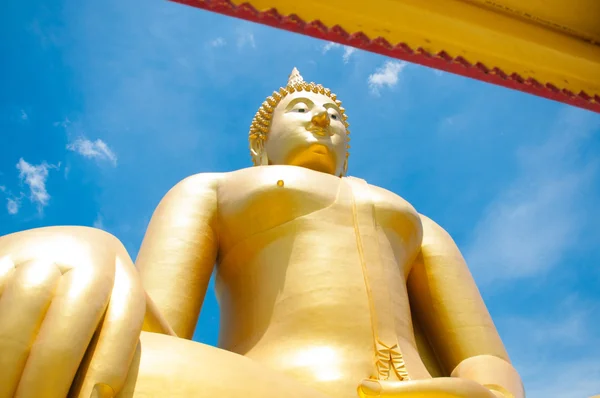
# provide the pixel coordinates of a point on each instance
(23, 304)
(107, 362)
(383, 388)
(446, 386)
(81, 297)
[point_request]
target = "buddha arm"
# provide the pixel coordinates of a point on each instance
(178, 254)
(452, 313)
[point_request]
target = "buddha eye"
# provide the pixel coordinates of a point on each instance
(300, 108)
(333, 114)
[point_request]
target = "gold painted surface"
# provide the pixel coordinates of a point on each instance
(554, 42)
(328, 287)
(578, 18)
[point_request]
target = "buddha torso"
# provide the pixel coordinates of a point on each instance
(291, 281)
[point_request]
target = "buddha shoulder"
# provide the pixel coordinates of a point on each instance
(197, 184)
(196, 191)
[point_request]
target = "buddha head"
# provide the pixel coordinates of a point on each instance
(303, 124)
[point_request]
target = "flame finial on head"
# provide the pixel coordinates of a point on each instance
(295, 77)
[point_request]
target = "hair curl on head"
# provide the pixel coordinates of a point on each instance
(261, 124)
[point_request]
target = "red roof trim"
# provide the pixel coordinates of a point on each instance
(402, 51)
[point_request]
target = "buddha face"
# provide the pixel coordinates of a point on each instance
(307, 130)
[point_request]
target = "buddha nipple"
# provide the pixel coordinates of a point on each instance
(280, 183)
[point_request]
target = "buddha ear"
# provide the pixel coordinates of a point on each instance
(257, 149)
(344, 168)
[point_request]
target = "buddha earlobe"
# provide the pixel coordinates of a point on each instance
(344, 168)
(257, 149)
(264, 159)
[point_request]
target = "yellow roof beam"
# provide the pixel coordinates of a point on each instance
(548, 48)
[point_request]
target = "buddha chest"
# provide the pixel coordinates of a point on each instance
(255, 200)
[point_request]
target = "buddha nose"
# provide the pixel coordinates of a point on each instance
(321, 119)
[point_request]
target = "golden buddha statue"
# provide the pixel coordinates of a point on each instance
(328, 287)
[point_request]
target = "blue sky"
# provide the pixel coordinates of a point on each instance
(106, 105)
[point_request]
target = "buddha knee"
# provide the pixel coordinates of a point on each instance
(66, 247)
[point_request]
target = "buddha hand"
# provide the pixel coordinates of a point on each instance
(446, 387)
(71, 307)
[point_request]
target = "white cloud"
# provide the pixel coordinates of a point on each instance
(385, 76)
(528, 229)
(556, 351)
(98, 222)
(12, 203)
(531, 226)
(93, 149)
(219, 42)
(12, 206)
(329, 46)
(570, 378)
(568, 324)
(64, 124)
(246, 39)
(348, 51)
(35, 177)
